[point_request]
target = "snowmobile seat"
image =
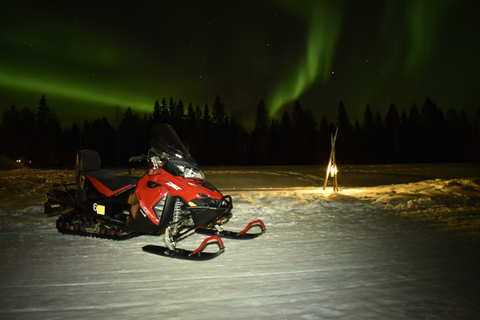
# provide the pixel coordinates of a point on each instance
(109, 183)
(106, 182)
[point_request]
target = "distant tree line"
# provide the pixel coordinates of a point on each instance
(420, 134)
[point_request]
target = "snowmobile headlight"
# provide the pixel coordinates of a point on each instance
(194, 174)
(204, 201)
(191, 173)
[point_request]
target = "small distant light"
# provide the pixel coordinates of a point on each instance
(18, 160)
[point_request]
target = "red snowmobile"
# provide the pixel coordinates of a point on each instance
(172, 199)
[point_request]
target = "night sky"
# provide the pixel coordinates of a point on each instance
(88, 56)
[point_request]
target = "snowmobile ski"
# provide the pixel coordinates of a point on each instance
(197, 254)
(242, 235)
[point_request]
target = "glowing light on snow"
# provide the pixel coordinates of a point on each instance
(333, 170)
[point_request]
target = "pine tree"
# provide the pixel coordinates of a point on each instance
(298, 137)
(156, 114)
(11, 133)
(433, 130)
(380, 140)
(190, 119)
(46, 126)
(179, 118)
(414, 143)
(164, 113)
(358, 135)
(324, 142)
(172, 106)
(261, 134)
(27, 123)
(240, 142)
(129, 140)
(368, 154)
(403, 138)
(192, 134)
(206, 147)
(219, 138)
(344, 146)
(117, 119)
(475, 144)
(392, 120)
(72, 144)
(458, 139)
(219, 116)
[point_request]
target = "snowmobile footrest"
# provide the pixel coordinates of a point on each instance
(205, 242)
(251, 224)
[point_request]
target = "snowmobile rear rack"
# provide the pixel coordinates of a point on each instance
(60, 198)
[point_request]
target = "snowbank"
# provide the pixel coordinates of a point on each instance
(397, 242)
(282, 191)
(8, 164)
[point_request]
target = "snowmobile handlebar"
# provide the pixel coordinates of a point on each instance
(138, 158)
(155, 161)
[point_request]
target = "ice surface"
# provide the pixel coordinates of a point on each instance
(396, 242)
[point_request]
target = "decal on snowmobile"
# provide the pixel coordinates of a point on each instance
(172, 199)
(146, 212)
(173, 185)
(99, 209)
(104, 189)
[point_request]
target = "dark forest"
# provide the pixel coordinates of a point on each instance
(215, 137)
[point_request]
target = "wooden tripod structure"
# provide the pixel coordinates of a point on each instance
(332, 165)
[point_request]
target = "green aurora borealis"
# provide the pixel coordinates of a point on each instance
(88, 57)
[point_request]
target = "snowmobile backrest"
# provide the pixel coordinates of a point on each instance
(88, 160)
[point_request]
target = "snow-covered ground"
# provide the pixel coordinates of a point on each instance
(396, 242)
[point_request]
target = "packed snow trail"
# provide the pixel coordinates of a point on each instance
(397, 251)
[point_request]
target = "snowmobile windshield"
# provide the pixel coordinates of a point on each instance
(178, 160)
(165, 139)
